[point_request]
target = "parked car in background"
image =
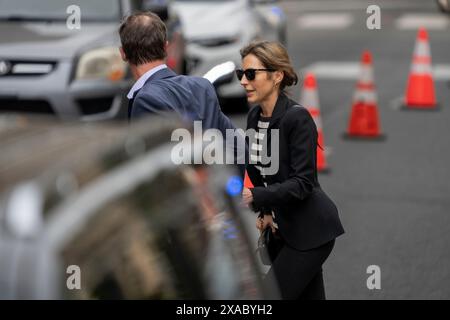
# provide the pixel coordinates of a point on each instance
(51, 68)
(216, 30)
(100, 212)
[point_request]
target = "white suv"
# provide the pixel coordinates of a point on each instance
(216, 30)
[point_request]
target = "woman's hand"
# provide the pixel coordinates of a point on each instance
(247, 196)
(262, 223)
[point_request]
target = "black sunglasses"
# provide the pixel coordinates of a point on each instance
(250, 74)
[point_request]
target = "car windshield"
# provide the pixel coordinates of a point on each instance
(26, 10)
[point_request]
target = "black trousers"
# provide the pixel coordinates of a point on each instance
(299, 273)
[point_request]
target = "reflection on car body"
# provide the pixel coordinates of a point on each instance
(109, 201)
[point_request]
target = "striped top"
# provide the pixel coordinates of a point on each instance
(256, 150)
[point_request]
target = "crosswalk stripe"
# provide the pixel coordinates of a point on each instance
(334, 70)
(413, 21)
(441, 72)
(341, 21)
(325, 21)
(352, 5)
(351, 70)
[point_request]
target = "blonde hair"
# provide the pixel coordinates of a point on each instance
(273, 55)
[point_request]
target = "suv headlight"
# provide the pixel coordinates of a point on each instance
(101, 63)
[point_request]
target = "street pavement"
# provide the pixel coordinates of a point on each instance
(392, 195)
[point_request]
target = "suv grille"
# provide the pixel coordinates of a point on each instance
(17, 68)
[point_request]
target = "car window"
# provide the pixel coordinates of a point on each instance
(57, 9)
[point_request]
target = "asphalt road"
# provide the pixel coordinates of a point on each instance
(393, 195)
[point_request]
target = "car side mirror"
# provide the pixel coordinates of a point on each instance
(221, 74)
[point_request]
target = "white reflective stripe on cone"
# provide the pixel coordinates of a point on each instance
(366, 74)
(365, 95)
(310, 98)
(421, 68)
(318, 122)
(422, 49)
(315, 114)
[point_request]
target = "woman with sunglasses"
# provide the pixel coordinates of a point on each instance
(291, 201)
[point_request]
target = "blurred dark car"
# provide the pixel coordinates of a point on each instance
(107, 200)
(49, 66)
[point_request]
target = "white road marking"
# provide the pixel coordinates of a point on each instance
(322, 21)
(431, 21)
(354, 5)
(441, 72)
(334, 70)
(351, 70)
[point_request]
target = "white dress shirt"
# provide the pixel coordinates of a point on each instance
(141, 81)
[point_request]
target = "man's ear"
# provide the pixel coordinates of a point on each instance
(166, 46)
(122, 53)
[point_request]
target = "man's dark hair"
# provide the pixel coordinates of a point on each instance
(143, 36)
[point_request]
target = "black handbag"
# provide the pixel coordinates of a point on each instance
(269, 244)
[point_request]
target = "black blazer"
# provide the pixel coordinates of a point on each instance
(307, 218)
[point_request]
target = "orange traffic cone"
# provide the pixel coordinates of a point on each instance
(364, 119)
(420, 87)
(310, 100)
(247, 182)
